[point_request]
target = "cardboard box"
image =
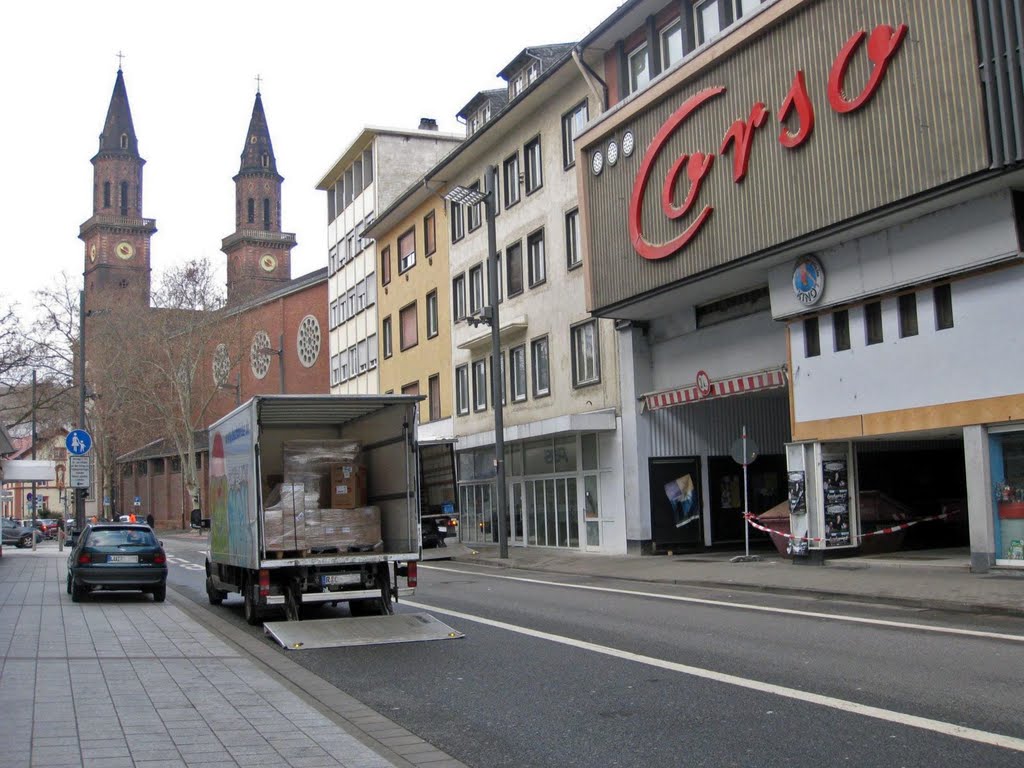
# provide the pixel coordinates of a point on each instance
(284, 518)
(347, 530)
(309, 462)
(348, 485)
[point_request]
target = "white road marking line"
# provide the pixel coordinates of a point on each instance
(749, 607)
(901, 718)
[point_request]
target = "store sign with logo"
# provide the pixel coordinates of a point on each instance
(808, 281)
(882, 47)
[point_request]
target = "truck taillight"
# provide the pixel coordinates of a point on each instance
(264, 582)
(411, 574)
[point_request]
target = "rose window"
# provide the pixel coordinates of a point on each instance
(308, 341)
(259, 354)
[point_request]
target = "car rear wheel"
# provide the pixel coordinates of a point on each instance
(69, 583)
(77, 592)
(160, 593)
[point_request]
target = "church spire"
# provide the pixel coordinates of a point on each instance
(258, 152)
(118, 131)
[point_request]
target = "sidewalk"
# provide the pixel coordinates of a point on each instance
(122, 681)
(939, 579)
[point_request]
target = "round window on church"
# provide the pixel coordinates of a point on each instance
(259, 354)
(308, 341)
(221, 365)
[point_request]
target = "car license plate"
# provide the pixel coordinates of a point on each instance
(123, 559)
(442, 528)
(340, 578)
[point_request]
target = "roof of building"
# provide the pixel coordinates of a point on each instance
(546, 54)
(292, 286)
(164, 447)
(257, 143)
(497, 98)
(6, 446)
(119, 123)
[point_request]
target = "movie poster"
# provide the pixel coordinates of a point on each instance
(837, 502)
(797, 493)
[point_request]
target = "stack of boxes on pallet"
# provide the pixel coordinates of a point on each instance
(321, 505)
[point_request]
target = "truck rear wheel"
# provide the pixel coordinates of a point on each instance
(251, 610)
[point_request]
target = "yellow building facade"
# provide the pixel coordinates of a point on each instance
(414, 304)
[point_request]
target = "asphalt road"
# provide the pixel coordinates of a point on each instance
(668, 682)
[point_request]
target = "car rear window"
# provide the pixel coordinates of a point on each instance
(121, 537)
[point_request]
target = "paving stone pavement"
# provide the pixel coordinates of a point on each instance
(122, 681)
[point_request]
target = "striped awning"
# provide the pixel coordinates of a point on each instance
(733, 385)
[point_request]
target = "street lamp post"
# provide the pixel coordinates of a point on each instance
(466, 196)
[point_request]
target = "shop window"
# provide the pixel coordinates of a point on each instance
(812, 340)
(1007, 460)
(908, 315)
(873, 323)
(943, 297)
(841, 330)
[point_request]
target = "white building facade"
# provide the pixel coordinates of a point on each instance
(365, 179)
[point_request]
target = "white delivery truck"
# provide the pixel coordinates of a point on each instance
(280, 537)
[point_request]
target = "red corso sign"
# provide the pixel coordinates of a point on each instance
(882, 46)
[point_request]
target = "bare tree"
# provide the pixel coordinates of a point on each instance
(15, 367)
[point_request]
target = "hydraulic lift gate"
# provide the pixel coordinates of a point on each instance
(361, 630)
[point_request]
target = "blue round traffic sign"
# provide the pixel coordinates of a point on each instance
(78, 442)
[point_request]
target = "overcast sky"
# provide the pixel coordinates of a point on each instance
(327, 68)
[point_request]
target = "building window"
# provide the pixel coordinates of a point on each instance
(408, 331)
(124, 198)
(573, 257)
(335, 369)
(432, 314)
(514, 259)
(462, 390)
(476, 289)
(586, 357)
(511, 177)
(479, 385)
(266, 213)
(385, 332)
(251, 206)
(812, 339)
(371, 345)
(539, 360)
(458, 298)
(411, 389)
(534, 166)
(873, 322)
(535, 258)
(943, 296)
(106, 194)
(708, 16)
(385, 265)
(434, 395)
(406, 251)
(497, 272)
(841, 330)
(671, 44)
(639, 69)
(429, 234)
(744, 7)
(458, 225)
(474, 210)
(572, 124)
(517, 365)
(908, 315)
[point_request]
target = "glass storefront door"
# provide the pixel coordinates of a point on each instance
(516, 508)
(1006, 456)
(552, 512)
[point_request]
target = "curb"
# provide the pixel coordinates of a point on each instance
(344, 710)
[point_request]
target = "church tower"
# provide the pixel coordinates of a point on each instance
(259, 253)
(116, 236)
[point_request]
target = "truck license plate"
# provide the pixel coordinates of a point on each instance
(339, 578)
(123, 559)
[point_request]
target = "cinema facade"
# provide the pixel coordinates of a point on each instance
(809, 228)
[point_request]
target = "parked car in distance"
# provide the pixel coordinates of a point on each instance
(47, 526)
(19, 535)
(437, 528)
(117, 556)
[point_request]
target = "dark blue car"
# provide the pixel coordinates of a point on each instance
(116, 557)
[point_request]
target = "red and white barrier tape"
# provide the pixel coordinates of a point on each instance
(890, 529)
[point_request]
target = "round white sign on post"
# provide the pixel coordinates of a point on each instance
(737, 452)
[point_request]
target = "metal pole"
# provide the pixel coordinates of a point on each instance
(497, 379)
(746, 505)
(79, 494)
(238, 389)
(33, 458)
